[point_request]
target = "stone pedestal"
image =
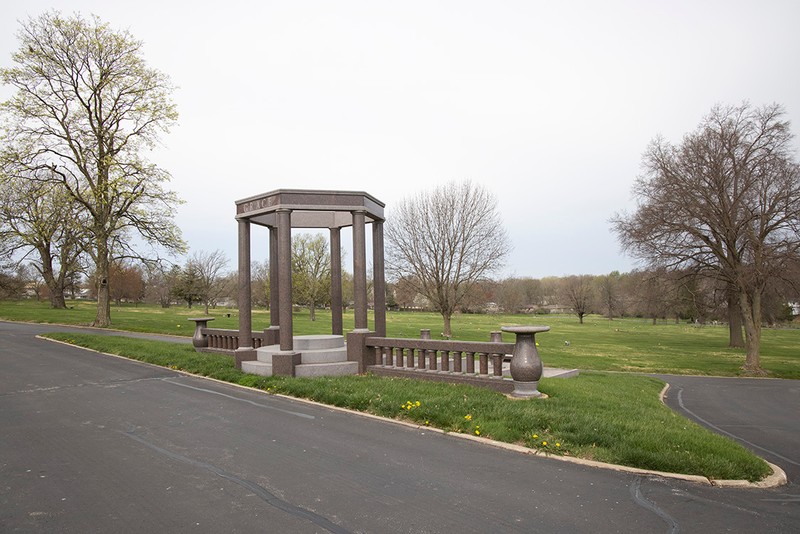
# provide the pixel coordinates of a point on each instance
(526, 365)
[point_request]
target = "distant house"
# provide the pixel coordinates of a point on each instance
(795, 306)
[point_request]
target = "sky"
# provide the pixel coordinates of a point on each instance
(550, 105)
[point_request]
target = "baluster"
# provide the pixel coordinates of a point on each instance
(445, 360)
(378, 357)
(497, 363)
(431, 359)
(484, 363)
(470, 363)
(410, 358)
(457, 362)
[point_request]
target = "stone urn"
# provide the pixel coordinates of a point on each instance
(526, 365)
(199, 340)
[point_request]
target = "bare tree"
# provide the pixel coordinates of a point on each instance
(86, 107)
(511, 295)
(311, 271)
(578, 292)
(126, 282)
(725, 201)
(444, 241)
(608, 293)
(160, 283)
(209, 273)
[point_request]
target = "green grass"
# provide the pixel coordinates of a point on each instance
(606, 417)
(627, 345)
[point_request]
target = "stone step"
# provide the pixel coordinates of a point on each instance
(324, 356)
(264, 354)
(315, 342)
(257, 368)
(326, 369)
(306, 370)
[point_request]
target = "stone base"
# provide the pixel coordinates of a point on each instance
(526, 390)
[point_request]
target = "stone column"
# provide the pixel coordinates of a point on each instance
(285, 278)
(337, 326)
(378, 279)
(274, 289)
(360, 270)
(245, 351)
(273, 332)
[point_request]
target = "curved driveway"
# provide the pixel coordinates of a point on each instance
(93, 443)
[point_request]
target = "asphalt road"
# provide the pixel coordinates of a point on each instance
(93, 443)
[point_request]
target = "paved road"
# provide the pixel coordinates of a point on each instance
(93, 443)
(762, 414)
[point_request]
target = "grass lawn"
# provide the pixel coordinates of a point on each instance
(614, 418)
(632, 345)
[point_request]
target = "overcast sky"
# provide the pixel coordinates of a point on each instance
(549, 104)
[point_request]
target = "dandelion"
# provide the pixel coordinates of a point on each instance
(468, 417)
(544, 443)
(418, 404)
(536, 436)
(477, 430)
(558, 444)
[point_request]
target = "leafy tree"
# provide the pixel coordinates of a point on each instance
(187, 286)
(85, 110)
(444, 241)
(259, 283)
(12, 282)
(311, 271)
(41, 224)
(725, 201)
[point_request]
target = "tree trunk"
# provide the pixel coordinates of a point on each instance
(57, 301)
(55, 286)
(736, 340)
(103, 317)
(751, 313)
(447, 331)
(313, 309)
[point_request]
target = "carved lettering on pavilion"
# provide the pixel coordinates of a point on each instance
(256, 204)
